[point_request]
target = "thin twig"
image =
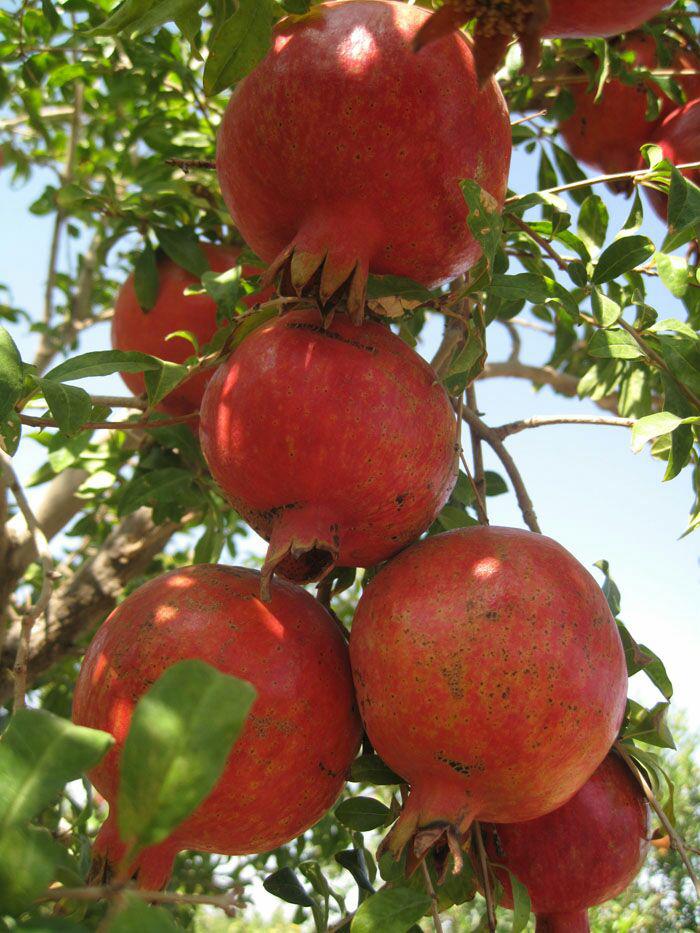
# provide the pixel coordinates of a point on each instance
(187, 164)
(599, 179)
(225, 901)
(496, 444)
(534, 116)
(540, 240)
(41, 605)
(659, 810)
(485, 878)
(514, 427)
(120, 401)
(479, 504)
(437, 923)
(478, 458)
(111, 425)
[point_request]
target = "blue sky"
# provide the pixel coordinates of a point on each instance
(590, 492)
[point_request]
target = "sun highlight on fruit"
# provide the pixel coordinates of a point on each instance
(342, 152)
(582, 854)
(336, 444)
(490, 675)
(291, 760)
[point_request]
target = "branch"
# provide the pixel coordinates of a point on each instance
(540, 240)
(84, 600)
(514, 427)
(187, 164)
(600, 179)
(41, 605)
(227, 902)
(658, 809)
(111, 425)
(562, 383)
(485, 878)
(437, 923)
(479, 481)
(496, 444)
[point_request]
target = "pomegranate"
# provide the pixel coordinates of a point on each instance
(490, 675)
(338, 445)
(678, 136)
(341, 153)
(136, 329)
(289, 763)
(607, 135)
(531, 20)
(582, 854)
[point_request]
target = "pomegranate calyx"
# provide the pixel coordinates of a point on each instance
(304, 546)
(496, 24)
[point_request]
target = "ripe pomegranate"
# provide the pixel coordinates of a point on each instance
(490, 675)
(531, 20)
(582, 854)
(289, 763)
(678, 136)
(362, 174)
(607, 135)
(136, 329)
(335, 444)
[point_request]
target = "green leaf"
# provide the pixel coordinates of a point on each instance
(593, 221)
(622, 256)
(391, 910)
(184, 250)
(362, 813)
(102, 363)
(641, 658)
(285, 885)
(484, 219)
(649, 725)
(614, 344)
(383, 286)
(11, 374)
(468, 363)
(606, 311)
(354, 861)
(635, 217)
(139, 916)
(70, 406)
(39, 754)
(683, 211)
(224, 288)
(647, 428)
(237, 46)
(181, 734)
(610, 589)
(28, 860)
(160, 382)
(370, 769)
(146, 279)
(673, 272)
(522, 906)
(155, 486)
(138, 16)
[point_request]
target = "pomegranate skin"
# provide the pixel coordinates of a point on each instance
(608, 135)
(581, 18)
(145, 331)
(362, 175)
(289, 763)
(336, 444)
(678, 137)
(489, 674)
(582, 854)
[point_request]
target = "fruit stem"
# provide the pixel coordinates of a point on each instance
(659, 810)
(485, 875)
(437, 923)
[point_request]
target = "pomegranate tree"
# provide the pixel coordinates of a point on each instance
(146, 331)
(607, 134)
(361, 174)
(289, 763)
(337, 445)
(490, 675)
(582, 854)
(678, 137)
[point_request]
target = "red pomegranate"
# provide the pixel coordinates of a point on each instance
(290, 762)
(678, 136)
(490, 675)
(136, 329)
(607, 135)
(531, 20)
(582, 854)
(342, 153)
(337, 445)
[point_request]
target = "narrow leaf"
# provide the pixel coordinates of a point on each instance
(238, 45)
(11, 374)
(146, 280)
(184, 250)
(622, 256)
(102, 363)
(69, 405)
(647, 428)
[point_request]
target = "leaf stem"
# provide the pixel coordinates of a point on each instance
(437, 923)
(543, 421)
